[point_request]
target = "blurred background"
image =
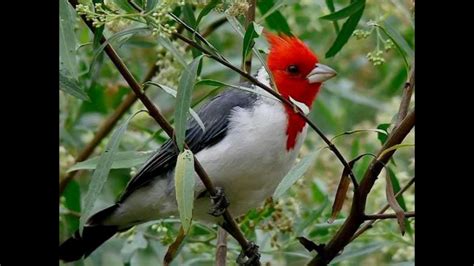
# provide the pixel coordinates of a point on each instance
(372, 69)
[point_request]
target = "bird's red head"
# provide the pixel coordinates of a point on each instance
(295, 68)
(298, 75)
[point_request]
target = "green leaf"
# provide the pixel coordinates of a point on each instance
(398, 39)
(113, 38)
(67, 39)
(71, 86)
(130, 247)
(189, 17)
(211, 82)
(253, 31)
(345, 12)
(150, 5)
(72, 195)
(99, 177)
(383, 137)
(184, 184)
(276, 20)
(173, 93)
(347, 29)
(295, 173)
(165, 42)
(331, 8)
(120, 160)
(274, 8)
(125, 5)
(357, 252)
(183, 99)
(208, 8)
(400, 198)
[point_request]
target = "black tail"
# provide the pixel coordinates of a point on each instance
(93, 235)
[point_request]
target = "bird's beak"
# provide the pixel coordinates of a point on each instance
(320, 73)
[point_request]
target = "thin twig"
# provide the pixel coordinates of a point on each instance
(387, 216)
(156, 114)
(369, 224)
(221, 247)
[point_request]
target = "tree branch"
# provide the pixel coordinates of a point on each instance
(356, 217)
(387, 216)
(158, 117)
(369, 224)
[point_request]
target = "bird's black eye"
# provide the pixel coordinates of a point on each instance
(293, 69)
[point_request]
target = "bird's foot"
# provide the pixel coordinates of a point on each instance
(253, 257)
(220, 203)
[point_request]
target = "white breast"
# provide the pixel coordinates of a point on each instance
(252, 159)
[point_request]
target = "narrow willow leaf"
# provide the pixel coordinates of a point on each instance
(72, 196)
(211, 82)
(394, 147)
(346, 11)
(347, 29)
(274, 8)
(130, 247)
(113, 38)
(71, 86)
(184, 185)
(165, 42)
(400, 198)
(125, 6)
(392, 201)
(253, 31)
(343, 187)
(99, 177)
(379, 131)
(208, 8)
(275, 20)
(173, 93)
(351, 254)
(150, 5)
(383, 137)
(295, 173)
(189, 17)
(174, 248)
(120, 160)
(330, 5)
(398, 39)
(67, 39)
(183, 99)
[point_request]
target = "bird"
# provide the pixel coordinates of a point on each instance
(250, 142)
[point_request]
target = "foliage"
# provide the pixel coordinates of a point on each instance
(372, 62)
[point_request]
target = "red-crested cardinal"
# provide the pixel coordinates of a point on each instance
(249, 144)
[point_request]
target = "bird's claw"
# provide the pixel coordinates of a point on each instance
(252, 255)
(220, 203)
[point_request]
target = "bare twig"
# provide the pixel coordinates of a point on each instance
(369, 224)
(387, 216)
(158, 117)
(221, 247)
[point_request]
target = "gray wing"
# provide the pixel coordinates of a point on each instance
(214, 115)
